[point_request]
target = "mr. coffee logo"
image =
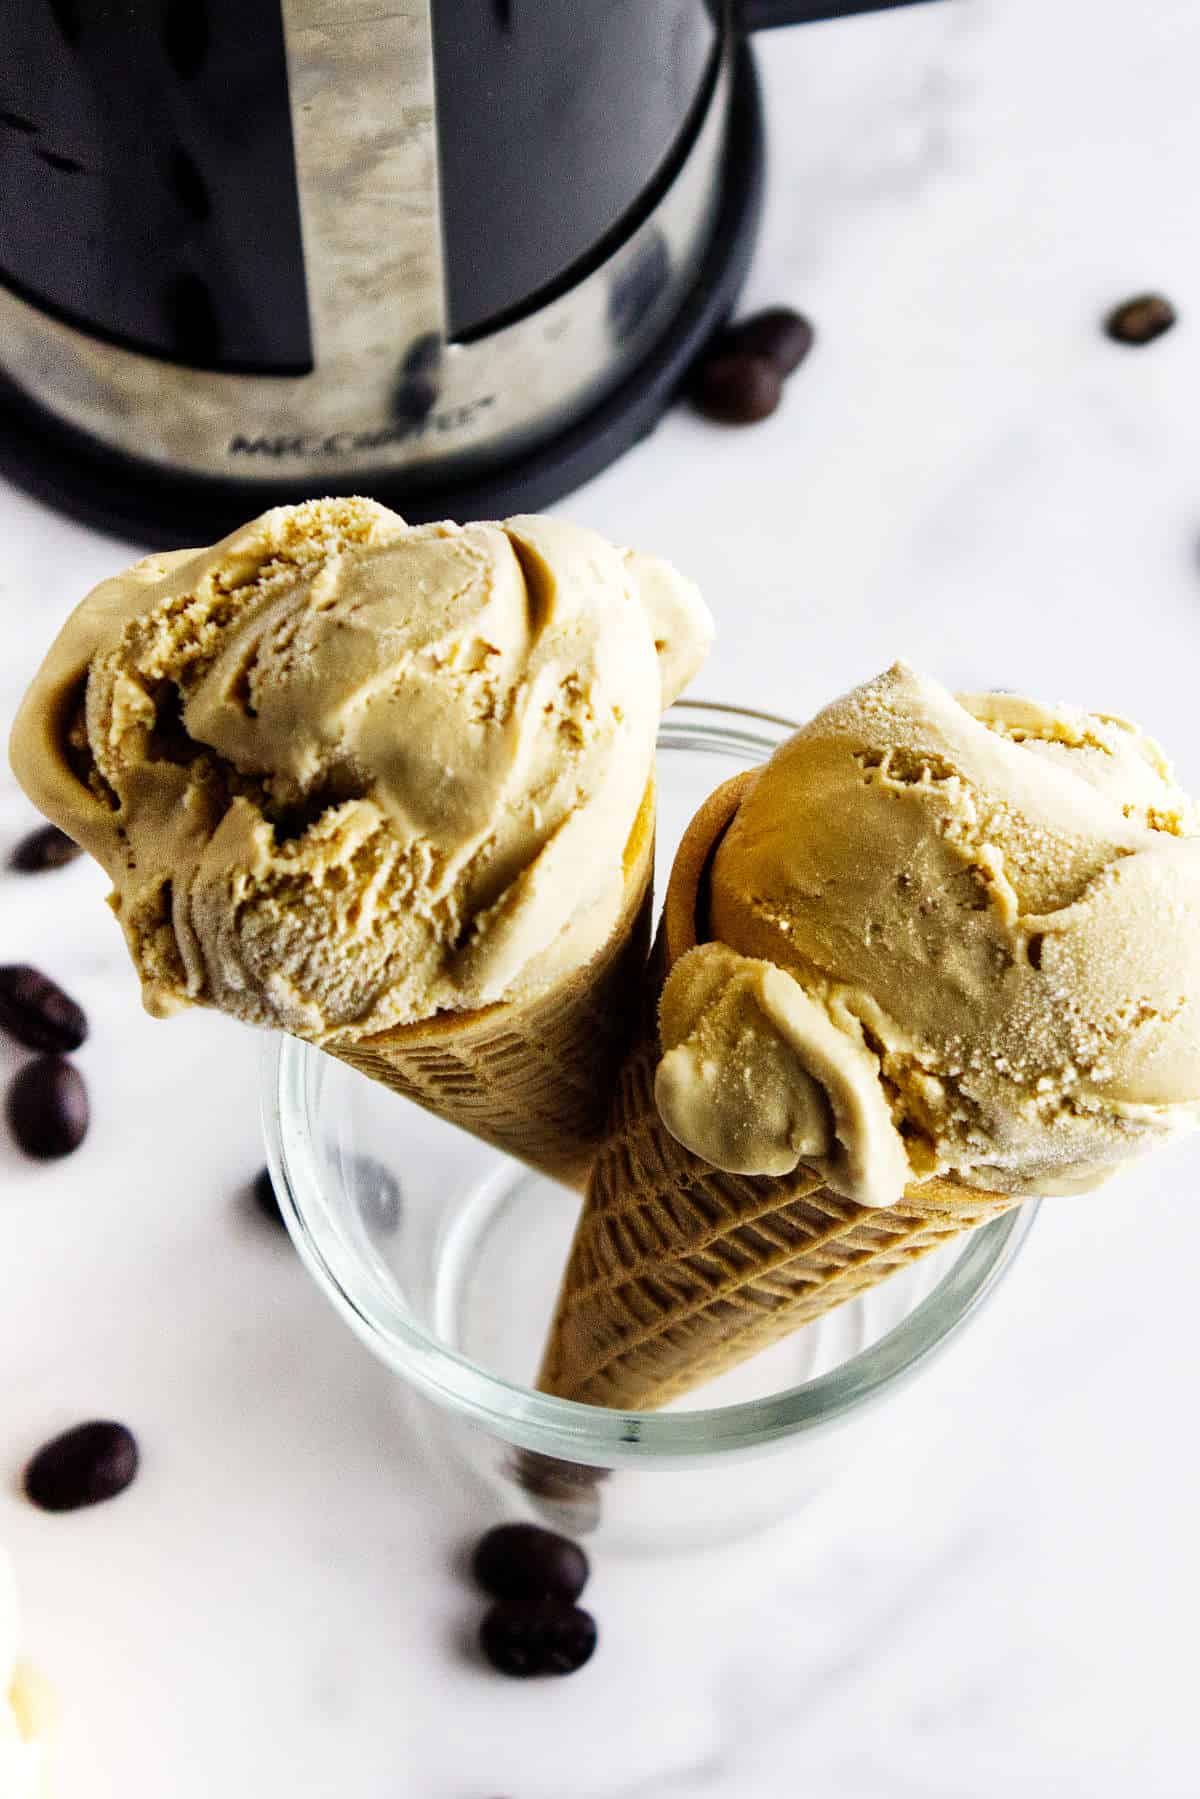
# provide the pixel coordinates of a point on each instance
(312, 445)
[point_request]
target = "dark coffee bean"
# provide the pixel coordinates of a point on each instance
(82, 1467)
(37, 1012)
(523, 1561)
(48, 1107)
(738, 389)
(1141, 320)
(784, 337)
(266, 1199)
(542, 1636)
(47, 847)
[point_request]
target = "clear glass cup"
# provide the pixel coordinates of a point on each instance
(444, 1256)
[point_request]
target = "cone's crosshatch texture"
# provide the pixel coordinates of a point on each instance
(679, 1271)
(533, 1077)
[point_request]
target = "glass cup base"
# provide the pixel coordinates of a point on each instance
(506, 1239)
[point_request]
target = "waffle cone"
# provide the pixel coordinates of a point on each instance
(532, 1077)
(679, 1271)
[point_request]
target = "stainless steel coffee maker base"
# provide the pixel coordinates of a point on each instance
(645, 312)
(388, 388)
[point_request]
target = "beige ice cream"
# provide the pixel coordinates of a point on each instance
(27, 1710)
(346, 774)
(955, 937)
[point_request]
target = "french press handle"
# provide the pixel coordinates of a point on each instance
(761, 15)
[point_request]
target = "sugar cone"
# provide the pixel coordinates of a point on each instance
(679, 1271)
(533, 1077)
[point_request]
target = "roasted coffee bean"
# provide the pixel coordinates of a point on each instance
(37, 1012)
(1141, 320)
(542, 1636)
(784, 337)
(47, 847)
(266, 1199)
(91, 1463)
(737, 389)
(523, 1561)
(48, 1107)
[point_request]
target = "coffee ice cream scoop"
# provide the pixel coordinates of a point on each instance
(953, 937)
(345, 773)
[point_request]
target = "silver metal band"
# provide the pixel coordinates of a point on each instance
(364, 126)
(364, 134)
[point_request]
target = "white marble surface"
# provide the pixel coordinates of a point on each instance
(966, 472)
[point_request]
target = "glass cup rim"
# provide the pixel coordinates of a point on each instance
(566, 1428)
